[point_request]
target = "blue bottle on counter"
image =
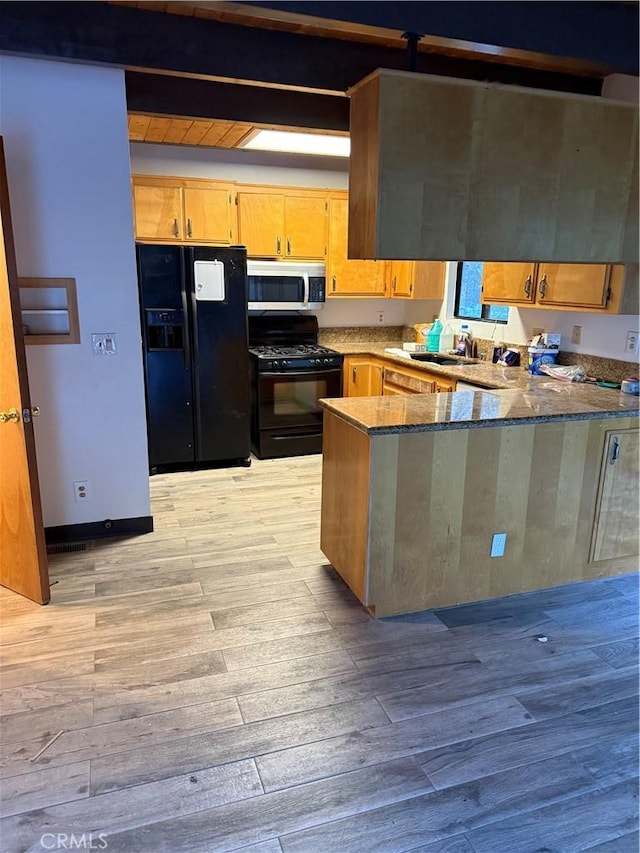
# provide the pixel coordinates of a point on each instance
(433, 336)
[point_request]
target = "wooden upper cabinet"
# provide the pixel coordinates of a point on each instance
(305, 220)
(416, 279)
(158, 213)
(429, 279)
(183, 210)
(563, 287)
(511, 284)
(346, 277)
(400, 278)
(280, 224)
(575, 285)
(208, 214)
(261, 223)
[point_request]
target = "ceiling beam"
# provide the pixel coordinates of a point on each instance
(190, 98)
(197, 47)
(603, 32)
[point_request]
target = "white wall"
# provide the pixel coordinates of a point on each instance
(67, 154)
(249, 167)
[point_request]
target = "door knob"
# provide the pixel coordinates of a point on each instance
(11, 415)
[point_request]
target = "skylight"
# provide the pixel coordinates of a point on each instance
(299, 143)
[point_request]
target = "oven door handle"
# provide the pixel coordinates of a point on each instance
(299, 374)
(295, 435)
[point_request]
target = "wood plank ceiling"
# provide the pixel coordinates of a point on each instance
(203, 132)
(176, 131)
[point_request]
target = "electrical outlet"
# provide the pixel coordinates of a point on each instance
(497, 544)
(631, 344)
(380, 317)
(576, 335)
(81, 491)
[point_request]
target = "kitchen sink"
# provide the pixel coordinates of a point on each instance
(434, 358)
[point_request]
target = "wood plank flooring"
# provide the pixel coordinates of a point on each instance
(220, 689)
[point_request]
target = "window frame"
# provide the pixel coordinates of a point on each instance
(484, 309)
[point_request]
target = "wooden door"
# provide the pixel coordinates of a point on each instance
(207, 215)
(23, 554)
(261, 224)
(444, 385)
(579, 285)
(375, 379)
(402, 278)
(428, 279)
(305, 219)
(513, 284)
(344, 276)
(356, 377)
(615, 529)
(158, 213)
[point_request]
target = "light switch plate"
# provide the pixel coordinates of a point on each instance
(103, 343)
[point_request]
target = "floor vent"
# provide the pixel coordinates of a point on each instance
(66, 549)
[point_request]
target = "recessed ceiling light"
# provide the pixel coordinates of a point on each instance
(299, 143)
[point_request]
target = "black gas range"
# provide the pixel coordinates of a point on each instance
(290, 372)
(298, 356)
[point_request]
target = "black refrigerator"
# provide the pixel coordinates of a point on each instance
(193, 302)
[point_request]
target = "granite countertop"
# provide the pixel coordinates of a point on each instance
(512, 396)
(469, 369)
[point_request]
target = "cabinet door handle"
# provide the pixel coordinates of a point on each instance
(333, 284)
(527, 286)
(615, 452)
(189, 232)
(278, 245)
(353, 374)
(176, 230)
(288, 246)
(543, 286)
(410, 289)
(393, 284)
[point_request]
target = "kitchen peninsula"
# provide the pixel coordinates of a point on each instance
(416, 486)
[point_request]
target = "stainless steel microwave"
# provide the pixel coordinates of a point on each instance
(285, 285)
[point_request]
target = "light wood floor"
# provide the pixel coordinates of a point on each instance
(220, 689)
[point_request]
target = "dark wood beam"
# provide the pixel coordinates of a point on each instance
(154, 41)
(190, 98)
(596, 31)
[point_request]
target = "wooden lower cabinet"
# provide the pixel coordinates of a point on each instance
(399, 380)
(396, 381)
(361, 377)
(408, 518)
(615, 529)
(364, 376)
(444, 385)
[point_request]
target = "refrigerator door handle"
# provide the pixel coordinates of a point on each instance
(186, 297)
